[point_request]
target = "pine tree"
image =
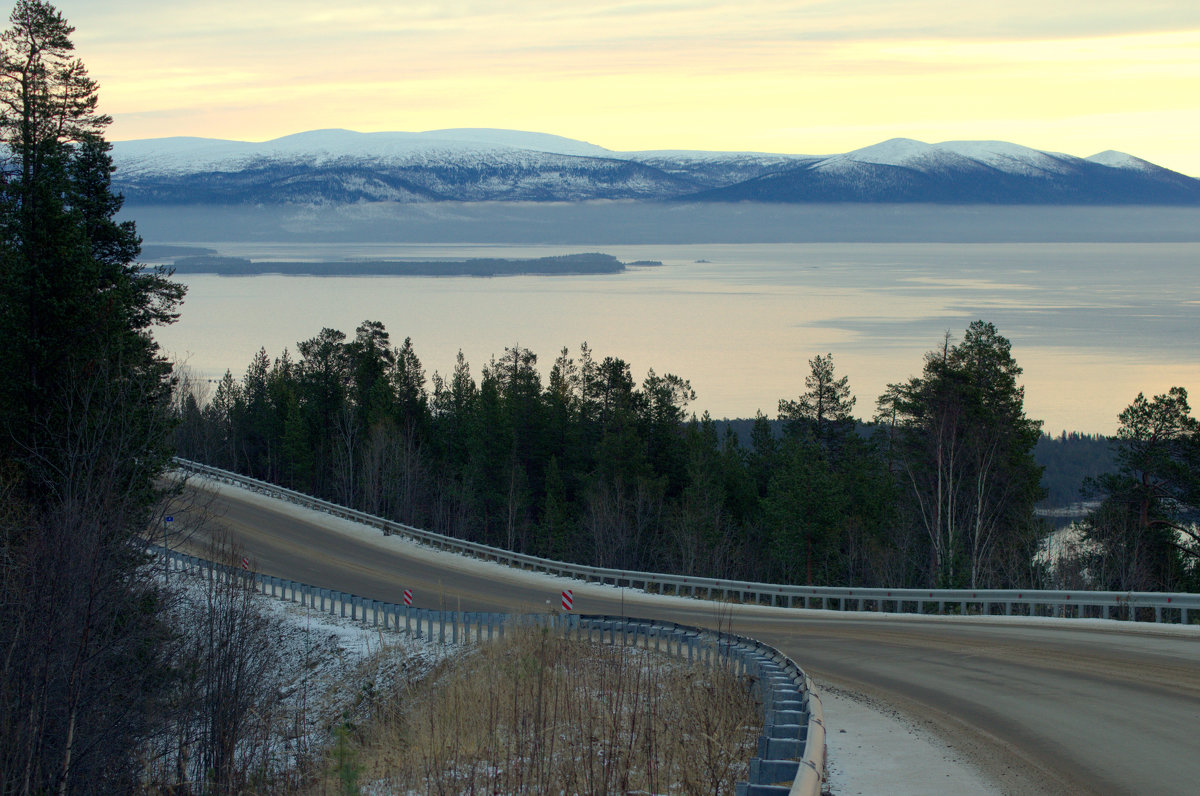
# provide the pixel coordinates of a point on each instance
(823, 410)
(964, 447)
(84, 431)
(1146, 526)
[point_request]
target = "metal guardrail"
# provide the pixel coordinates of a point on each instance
(791, 749)
(1176, 607)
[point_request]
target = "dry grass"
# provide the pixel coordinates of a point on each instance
(535, 713)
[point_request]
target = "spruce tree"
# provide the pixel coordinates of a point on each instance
(84, 422)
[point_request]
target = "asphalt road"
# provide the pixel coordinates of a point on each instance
(1040, 708)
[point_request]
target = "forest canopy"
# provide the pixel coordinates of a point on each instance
(941, 489)
(589, 465)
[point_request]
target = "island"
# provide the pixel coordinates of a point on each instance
(566, 265)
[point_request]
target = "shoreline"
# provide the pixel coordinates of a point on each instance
(591, 263)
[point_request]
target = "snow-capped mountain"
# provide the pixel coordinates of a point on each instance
(342, 166)
(967, 172)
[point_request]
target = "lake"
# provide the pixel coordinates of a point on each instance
(1092, 324)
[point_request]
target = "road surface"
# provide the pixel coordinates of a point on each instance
(1040, 706)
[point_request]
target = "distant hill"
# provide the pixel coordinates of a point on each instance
(344, 167)
(968, 172)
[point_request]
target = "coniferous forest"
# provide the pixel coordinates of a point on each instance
(590, 466)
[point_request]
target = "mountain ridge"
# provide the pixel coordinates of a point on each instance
(336, 166)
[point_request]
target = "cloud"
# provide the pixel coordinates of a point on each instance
(739, 72)
(698, 20)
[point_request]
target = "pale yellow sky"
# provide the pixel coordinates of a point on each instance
(795, 76)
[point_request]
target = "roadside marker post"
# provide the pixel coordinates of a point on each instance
(167, 520)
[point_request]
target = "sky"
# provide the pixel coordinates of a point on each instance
(791, 76)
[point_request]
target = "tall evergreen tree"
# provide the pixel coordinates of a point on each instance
(84, 430)
(823, 410)
(1146, 526)
(964, 446)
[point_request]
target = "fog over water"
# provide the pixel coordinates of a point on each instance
(1092, 324)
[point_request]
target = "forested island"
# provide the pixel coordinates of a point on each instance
(564, 265)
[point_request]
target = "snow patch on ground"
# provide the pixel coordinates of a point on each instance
(326, 668)
(875, 751)
(872, 748)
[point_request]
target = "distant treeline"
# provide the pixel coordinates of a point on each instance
(568, 264)
(166, 251)
(1067, 460)
(590, 466)
(940, 489)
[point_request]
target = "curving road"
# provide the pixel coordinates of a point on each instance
(1041, 707)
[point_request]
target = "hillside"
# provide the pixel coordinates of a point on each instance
(338, 167)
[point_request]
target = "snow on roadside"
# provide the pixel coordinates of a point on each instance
(326, 668)
(344, 644)
(873, 750)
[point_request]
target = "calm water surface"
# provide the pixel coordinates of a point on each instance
(1091, 324)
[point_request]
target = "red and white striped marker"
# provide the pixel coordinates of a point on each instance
(245, 563)
(568, 599)
(408, 596)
